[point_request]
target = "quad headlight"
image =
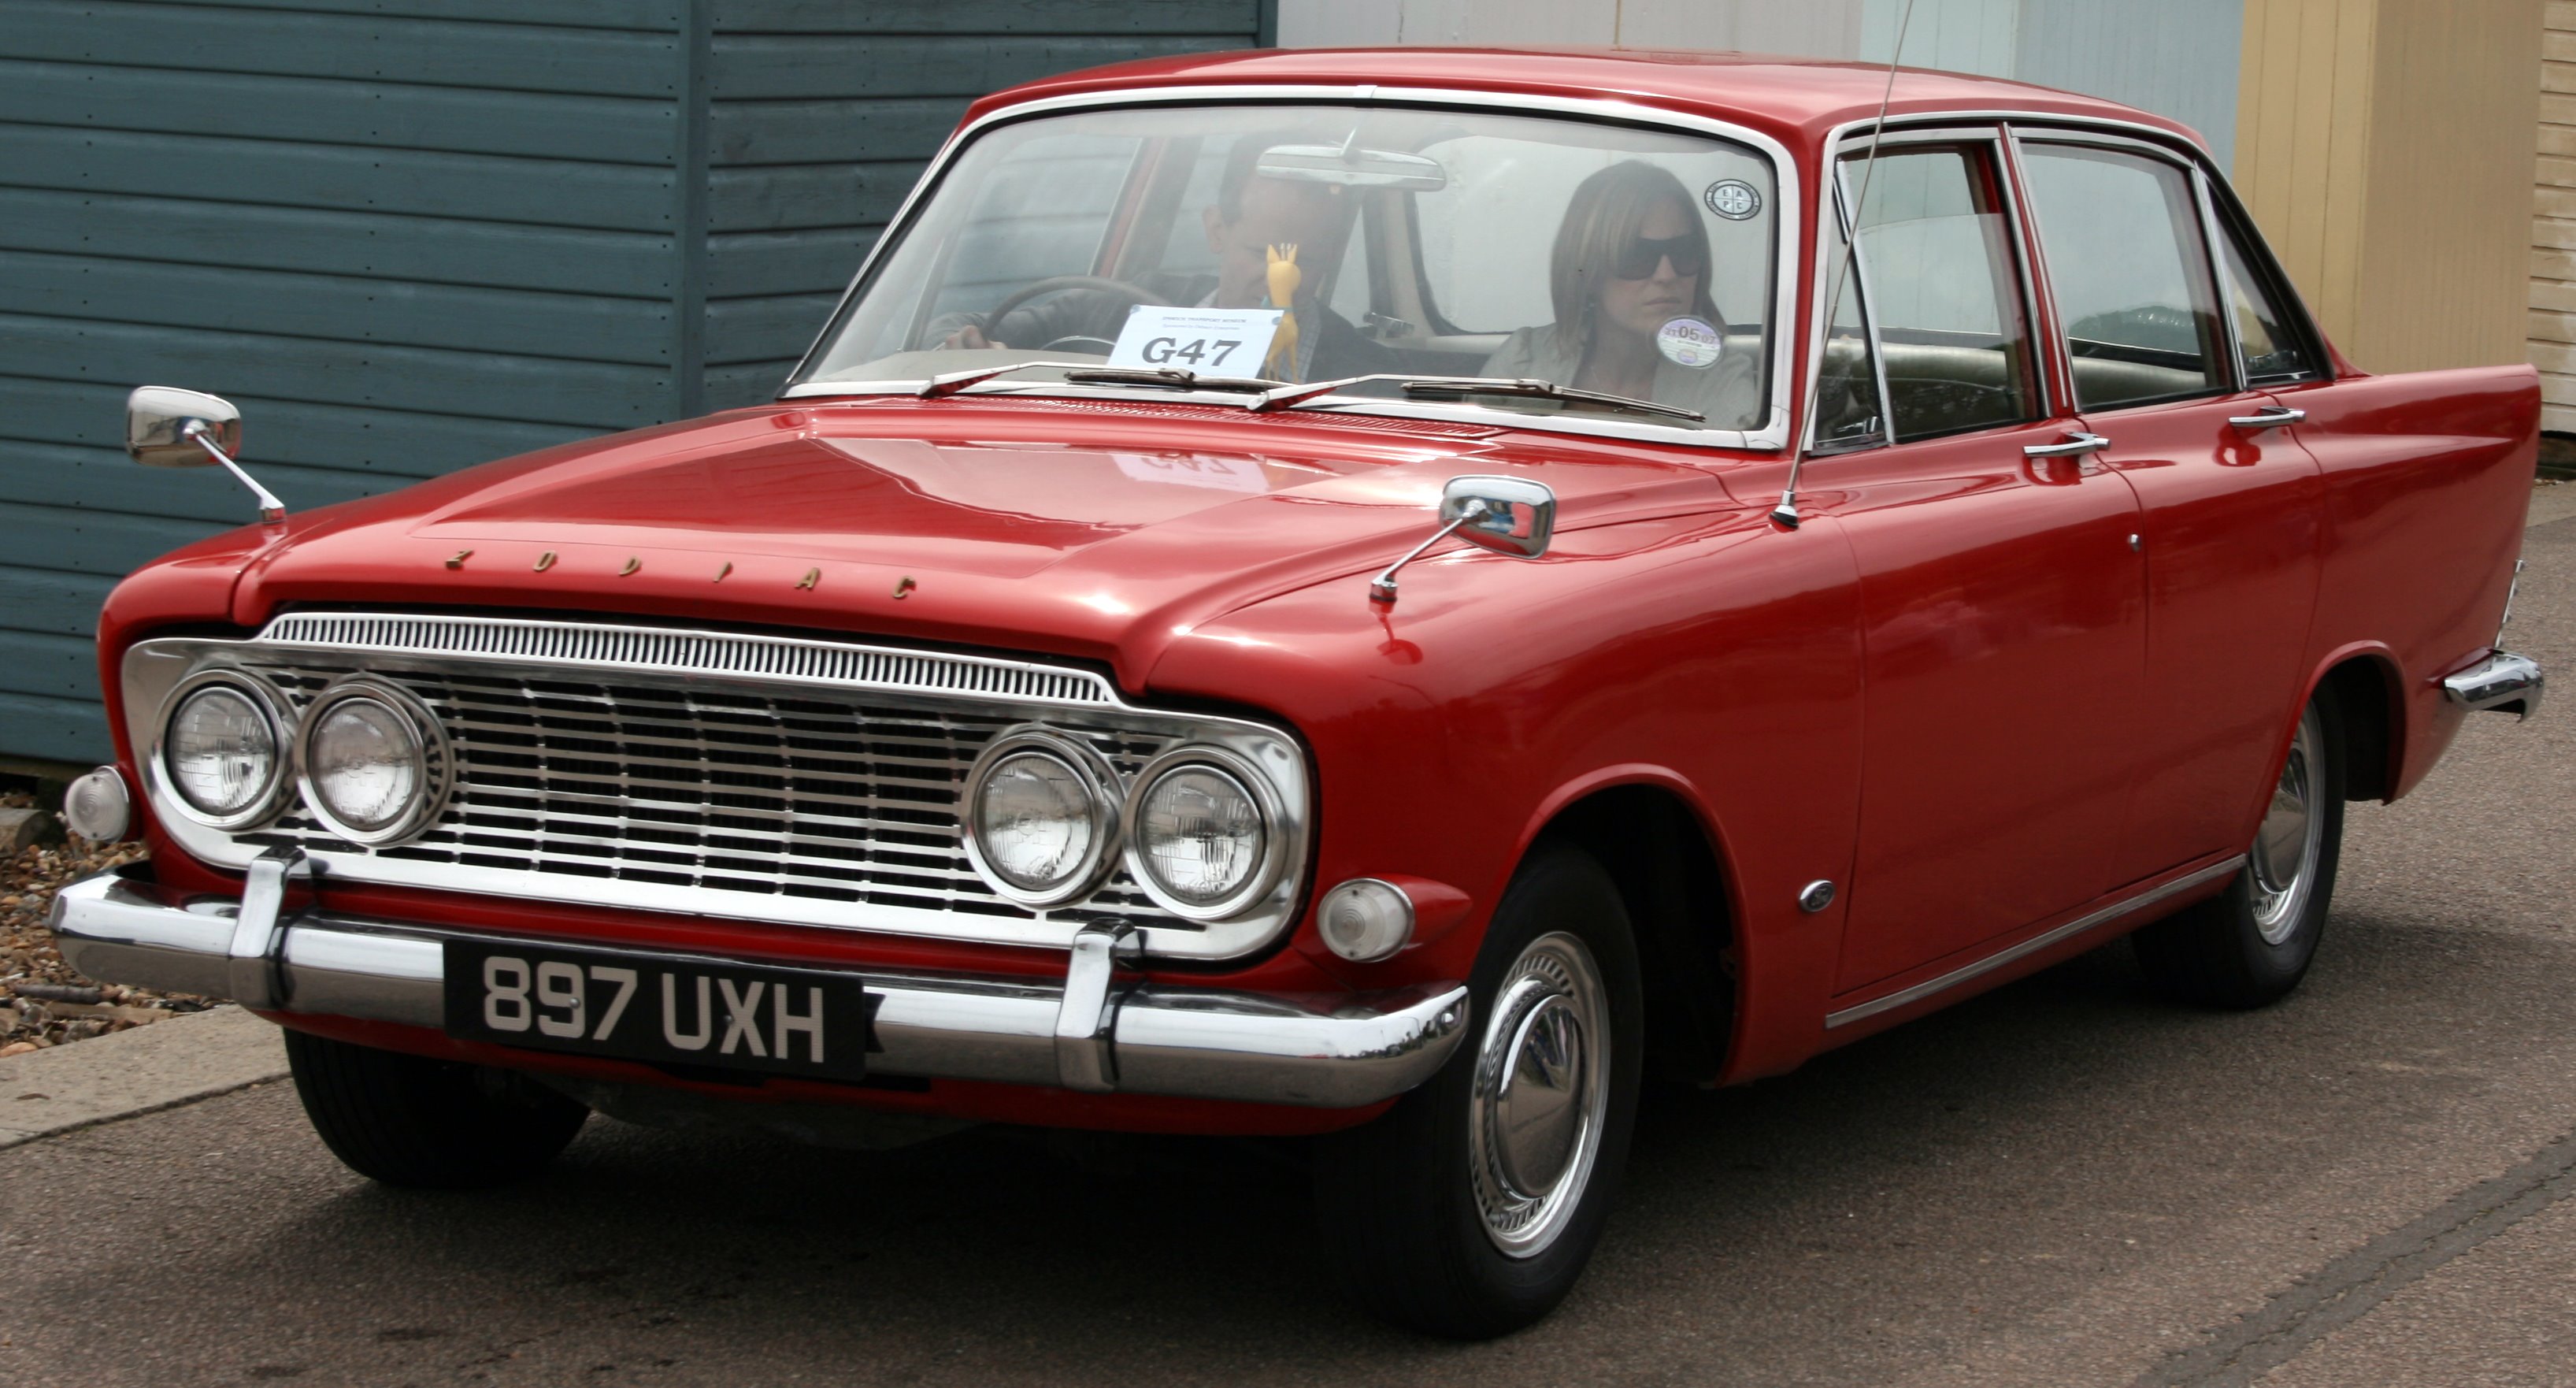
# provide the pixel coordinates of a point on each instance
(1039, 816)
(221, 750)
(373, 761)
(1203, 828)
(1198, 827)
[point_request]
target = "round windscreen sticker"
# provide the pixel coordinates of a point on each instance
(1690, 342)
(1733, 199)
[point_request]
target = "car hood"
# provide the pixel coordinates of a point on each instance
(998, 524)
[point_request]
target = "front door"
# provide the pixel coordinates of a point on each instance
(2232, 502)
(2001, 592)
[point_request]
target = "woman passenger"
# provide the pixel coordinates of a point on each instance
(1629, 283)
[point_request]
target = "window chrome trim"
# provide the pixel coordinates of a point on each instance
(1788, 195)
(1940, 129)
(2017, 125)
(2240, 379)
(152, 668)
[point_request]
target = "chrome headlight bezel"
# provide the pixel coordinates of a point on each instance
(1265, 796)
(1099, 781)
(280, 732)
(432, 759)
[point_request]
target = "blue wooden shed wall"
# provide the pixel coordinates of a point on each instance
(407, 236)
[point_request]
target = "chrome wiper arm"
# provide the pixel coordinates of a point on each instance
(955, 381)
(1413, 384)
(1286, 396)
(1538, 389)
(1176, 377)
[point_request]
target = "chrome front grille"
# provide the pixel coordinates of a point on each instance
(787, 794)
(800, 781)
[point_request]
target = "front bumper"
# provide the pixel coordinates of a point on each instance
(1094, 1031)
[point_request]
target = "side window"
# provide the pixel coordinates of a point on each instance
(1847, 413)
(2274, 352)
(2121, 236)
(1943, 295)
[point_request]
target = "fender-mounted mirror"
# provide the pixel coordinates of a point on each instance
(164, 423)
(1508, 515)
(169, 427)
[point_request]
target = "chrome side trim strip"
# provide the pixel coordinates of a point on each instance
(2033, 945)
(1338, 1051)
(600, 646)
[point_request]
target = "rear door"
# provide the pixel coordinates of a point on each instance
(2151, 311)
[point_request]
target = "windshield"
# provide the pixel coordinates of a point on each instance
(1295, 244)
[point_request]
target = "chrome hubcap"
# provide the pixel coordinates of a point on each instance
(2283, 861)
(1542, 1081)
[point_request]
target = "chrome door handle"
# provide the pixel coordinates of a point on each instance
(2076, 443)
(2272, 417)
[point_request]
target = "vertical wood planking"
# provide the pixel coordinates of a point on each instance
(2552, 297)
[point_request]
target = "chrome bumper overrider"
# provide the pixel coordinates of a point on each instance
(2501, 682)
(1093, 1031)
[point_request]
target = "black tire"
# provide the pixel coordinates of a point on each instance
(438, 1125)
(2248, 946)
(1398, 1198)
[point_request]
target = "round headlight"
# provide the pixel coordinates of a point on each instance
(373, 761)
(1038, 823)
(220, 750)
(1201, 842)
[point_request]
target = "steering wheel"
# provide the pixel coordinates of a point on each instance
(1056, 284)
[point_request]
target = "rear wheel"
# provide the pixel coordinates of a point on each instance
(2251, 944)
(408, 1121)
(1471, 1207)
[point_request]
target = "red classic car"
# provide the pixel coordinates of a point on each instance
(1373, 596)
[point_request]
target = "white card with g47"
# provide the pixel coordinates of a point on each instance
(1210, 341)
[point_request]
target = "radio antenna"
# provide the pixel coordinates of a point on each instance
(1786, 513)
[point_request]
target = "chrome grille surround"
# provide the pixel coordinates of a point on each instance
(760, 778)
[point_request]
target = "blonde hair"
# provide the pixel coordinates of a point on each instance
(1606, 212)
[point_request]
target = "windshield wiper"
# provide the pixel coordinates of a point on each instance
(1473, 385)
(1094, 374)
(1177, 377)
(955, 381)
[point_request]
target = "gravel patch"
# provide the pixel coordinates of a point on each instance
(43, 1002)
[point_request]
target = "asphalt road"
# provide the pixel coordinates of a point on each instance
(2063, 1182)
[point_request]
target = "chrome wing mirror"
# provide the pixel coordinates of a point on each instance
(1508, 515)
(169, 427)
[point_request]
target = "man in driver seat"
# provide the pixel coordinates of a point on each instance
(1253, 214)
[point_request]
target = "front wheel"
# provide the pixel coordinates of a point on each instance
(407, 1120)
(1470, 1208)
(2251, 944)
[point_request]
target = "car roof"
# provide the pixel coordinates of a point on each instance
(1794, 100)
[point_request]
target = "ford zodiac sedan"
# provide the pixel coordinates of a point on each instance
(1379, 598)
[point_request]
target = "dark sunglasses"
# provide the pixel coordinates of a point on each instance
(1637, 259)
